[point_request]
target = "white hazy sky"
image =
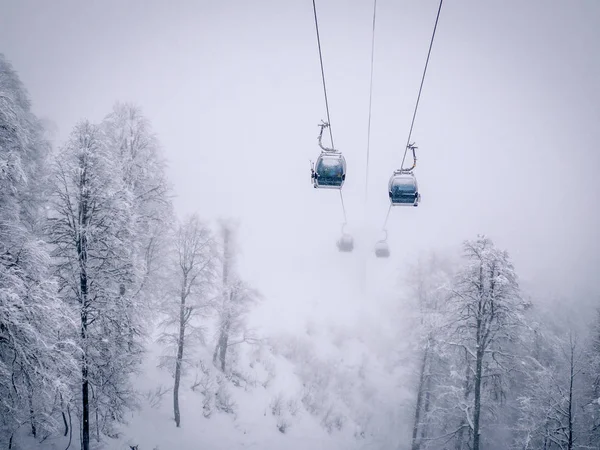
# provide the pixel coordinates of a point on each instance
(508, 126)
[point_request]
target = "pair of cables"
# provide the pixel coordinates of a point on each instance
(408, 144)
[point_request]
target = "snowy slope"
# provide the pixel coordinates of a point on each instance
(334, 392)
(322, 382)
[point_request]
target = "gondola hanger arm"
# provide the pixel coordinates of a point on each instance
(411, 147)
(324, 125)
(344, 228)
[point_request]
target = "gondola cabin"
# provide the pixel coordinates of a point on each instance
(345, 243)
(329, 171)
(382, 249)
(403, 190)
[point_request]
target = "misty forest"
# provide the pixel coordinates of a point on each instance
(172, 271)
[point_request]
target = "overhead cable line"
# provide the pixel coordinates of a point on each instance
(323, 73)
(328, 124)
(421, 87)
(370, 101)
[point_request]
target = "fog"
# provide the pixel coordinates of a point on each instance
(507, 129)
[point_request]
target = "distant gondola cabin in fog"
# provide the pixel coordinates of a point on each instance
(345, 243)
(382, 249)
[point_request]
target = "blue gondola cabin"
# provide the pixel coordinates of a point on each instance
(403, 190)
(329, 171)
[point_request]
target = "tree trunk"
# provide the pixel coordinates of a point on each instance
(70, 427)
(180, 344)
(83, 285)
(31, 409)
(176, 393)
(85, 437)
(570, 443)
(427, 407)
(467, 393)
(65, 423)
(224, 335)
(477, 405)
(415, 442)
(478, 361)
(216, 352)
(96, 406)
(85, 405)
(223, 342)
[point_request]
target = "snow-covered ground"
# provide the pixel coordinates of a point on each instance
(327, 388)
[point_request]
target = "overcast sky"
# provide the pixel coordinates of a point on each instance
(508, 127)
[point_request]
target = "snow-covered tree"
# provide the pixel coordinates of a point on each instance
(128, 134)
(237, 297)
(557, 404)
(36, 353)
(428, 284)
(485, 319)
(91, 230)
(593, 404)
(192, 277)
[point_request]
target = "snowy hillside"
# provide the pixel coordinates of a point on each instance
(294, 393)
(323, 390)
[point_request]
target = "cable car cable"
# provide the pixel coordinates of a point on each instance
(386, 218)
(397, 197)
(365, 262)
(370, 101)
(343, 207)
(421, 87)
(323, 73)
(328, 124)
